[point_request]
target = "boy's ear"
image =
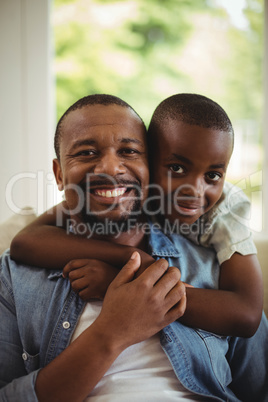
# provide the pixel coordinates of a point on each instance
(58, 174)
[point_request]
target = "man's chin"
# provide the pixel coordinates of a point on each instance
(110, 224)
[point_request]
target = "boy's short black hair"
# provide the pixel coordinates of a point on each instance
(96, 99)
(191, 109)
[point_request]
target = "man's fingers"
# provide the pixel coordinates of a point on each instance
(176, 311)
(154, 272)
(128, 271)
(170, 278)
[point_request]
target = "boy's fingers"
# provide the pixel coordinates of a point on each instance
(187, 285)
(128, 271)
(74, 264)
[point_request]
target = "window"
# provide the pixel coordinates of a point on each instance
(146, 51)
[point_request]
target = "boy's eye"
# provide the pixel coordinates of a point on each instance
(176, 168)
(213, 176)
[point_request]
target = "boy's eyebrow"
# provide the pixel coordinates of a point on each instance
(179, 158)
(182, 158)
(218, 166)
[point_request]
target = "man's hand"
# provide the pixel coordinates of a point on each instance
(90, 278)
(135, 309)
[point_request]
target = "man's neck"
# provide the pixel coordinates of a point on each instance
(134, 236)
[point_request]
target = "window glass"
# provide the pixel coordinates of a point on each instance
(144, 51)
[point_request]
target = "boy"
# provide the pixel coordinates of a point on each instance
(191, 139)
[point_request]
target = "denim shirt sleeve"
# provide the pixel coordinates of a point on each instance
(20, 390)
(15, 383)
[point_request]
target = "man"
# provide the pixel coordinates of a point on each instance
(41, 315)
(74, 373)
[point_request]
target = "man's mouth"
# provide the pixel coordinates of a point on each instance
(110, 193)
(114, 195)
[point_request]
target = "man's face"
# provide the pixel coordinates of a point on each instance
(103, 167)
(189, 165)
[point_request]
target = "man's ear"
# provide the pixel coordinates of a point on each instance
(58, 174)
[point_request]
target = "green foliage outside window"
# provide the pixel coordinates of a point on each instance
(146, 50)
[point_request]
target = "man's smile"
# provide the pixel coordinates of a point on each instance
(115, 195)
(110, 193)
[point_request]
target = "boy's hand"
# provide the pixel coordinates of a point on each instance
(90, 278)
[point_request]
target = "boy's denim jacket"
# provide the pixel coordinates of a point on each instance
(39, 312)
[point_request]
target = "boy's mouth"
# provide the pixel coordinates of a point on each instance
(190, 209)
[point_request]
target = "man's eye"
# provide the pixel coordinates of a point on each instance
(176, 168)
(213, 176)
(86, 152)
(129, 151)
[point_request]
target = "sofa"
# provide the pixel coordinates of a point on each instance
(16, 222)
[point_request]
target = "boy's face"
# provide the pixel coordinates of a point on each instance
(189, 164)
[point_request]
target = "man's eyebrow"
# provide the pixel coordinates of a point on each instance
(129, 140)
(91, 142)
(181, 158)
(80, 143)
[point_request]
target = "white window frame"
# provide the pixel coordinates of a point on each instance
(26, 104)
(265, 124)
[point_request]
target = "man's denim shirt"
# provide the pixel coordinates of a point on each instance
(39, 312)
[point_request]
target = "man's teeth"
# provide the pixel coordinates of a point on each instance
(110, 193)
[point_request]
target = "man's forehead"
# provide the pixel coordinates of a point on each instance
(112, 120)
(94, 115)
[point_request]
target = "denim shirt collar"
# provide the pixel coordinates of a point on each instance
(159, 244)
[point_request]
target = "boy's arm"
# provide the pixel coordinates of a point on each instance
(44, 243)
(236, 308)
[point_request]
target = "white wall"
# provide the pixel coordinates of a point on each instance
(26, 104)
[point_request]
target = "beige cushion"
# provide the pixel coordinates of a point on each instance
(10, 227)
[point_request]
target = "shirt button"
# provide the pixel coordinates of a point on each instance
(66, 325)
(24, 356)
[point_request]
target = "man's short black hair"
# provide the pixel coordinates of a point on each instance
(191, 109)
(96, 99)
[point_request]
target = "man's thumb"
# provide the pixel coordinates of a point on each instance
(129, 269)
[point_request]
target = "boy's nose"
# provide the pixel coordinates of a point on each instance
(194, 187)
(110, 164)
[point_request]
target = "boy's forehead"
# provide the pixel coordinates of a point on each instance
(177, 136)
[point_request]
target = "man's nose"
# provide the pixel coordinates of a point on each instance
(110, 164)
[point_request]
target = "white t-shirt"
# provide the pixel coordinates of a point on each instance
(140, 373)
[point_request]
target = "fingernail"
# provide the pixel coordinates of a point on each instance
(134, 255)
